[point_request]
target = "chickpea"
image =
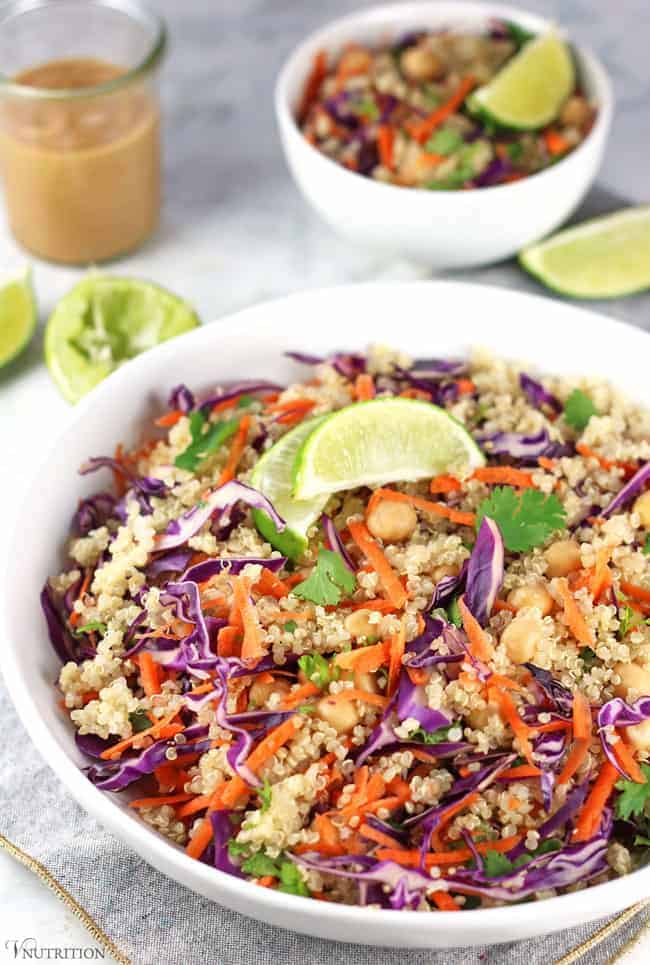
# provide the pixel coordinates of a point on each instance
(260, 692)
(342, 715)
(562, 557)
(358, 624)
(533, 594)
(443, 571)
(521, 637)
(633, 678)
(576, 112)
(392, 522)
(421, 64)
(639, 734)
(642, 507)
(480, 717)
(365, 681)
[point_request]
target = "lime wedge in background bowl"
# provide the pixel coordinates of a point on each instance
(602, 258)
(105, 321)
(381, 441)
(18, 316)
(273, 477)
(532, 87)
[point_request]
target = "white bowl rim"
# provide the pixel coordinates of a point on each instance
(454, 12)
(100, 805)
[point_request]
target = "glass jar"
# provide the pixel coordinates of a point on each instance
(80, 125)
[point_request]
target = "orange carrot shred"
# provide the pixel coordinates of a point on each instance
(591, 812)
(505, 476)
(480, 646)
(397, 646)
(236, 451)
(373, 553)
(422, 130)
(252, 649)
(364, 387)
(444, 484)
(149, 674)
(573, 616)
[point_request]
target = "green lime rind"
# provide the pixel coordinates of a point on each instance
(102, 323)
(529, 91)
(605, 257)
(18, 316)
(381, 441)
(273, 476)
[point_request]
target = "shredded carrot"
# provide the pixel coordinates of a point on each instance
(479, 644)
(312, 85)
(439, 509)
(444, 484)
(149, 674)
(228, 641)
(160, 728)
(508, 712)
(552, 725)
(625, 758)
(274, 616)
(465, 386)
(428, 159)
(373, 553)
(601, 577)
(591, 812)
(504, 605)
(169, 419)
(266, 881)
(546, 463)
(298, 696)
(577, 755)
(364, 387)
(291, 404)
(236, 451)
(377, 836)
(252, 649)
(153, 802)
(417, 675)
(504, 476)
(422, 130)
(520, 773)
(200, 839)
(573, 616)
(351, 693)
(355, 60)
(581, 717)
(444, 901)
(385, 139)
(199, 803)
(555, 143)
(397, 646)
(636, 592)
(271, 585)
(364, 659)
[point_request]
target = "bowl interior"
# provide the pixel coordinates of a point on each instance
(426, 319)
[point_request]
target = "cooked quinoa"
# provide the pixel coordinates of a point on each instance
(441, 701)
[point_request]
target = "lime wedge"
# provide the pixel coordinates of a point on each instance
(17, 316)
(381, 441)
(530, 90)
(602, 258)
(273, 476)
(105, 321)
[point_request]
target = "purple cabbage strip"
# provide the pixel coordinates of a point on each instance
(222, 832)
(181, 398)
(180, 530)
(629, 490)
(234, 564)
(560, 819)
(64, 644)
(560, 697)
(448, 587)
(456, 640)
(335, 542)
(616, 713)
(115, 776)
(525, 449)
(485, 571)
(242, 388)
(493, 173)
(93, 512)
(419, 649)
(536, 394)
(144, 487)
(412, 703)
(172, 562)
(387, 872)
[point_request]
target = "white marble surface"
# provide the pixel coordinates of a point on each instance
(235, 231)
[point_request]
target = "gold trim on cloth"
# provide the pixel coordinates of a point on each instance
(63, 895)
(611, 928)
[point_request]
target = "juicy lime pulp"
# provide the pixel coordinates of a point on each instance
(273, 476)
(18, 316)
(530, 89)
(105, 321)
(601, 258)
(381, 441)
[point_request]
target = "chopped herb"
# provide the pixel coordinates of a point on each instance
(94, 625)
(646, 545)
(545, 847)
(318, 670)
(518, 35)
(306, 709)
(244, 401)
(525, 520)
(642, 841)
(432, 736)
(291, 882)
(366, 108)
(496, 864)
(515, 151)
(453, 613)
(265, 794)
(471, 902)
(237, 848)
(139, 720)
(206, 439)
(290, 626)
(259, 865)
(328, 582)
(588, 657)
(626, 619)
(444, 141)
(578, 410)
(633, 797)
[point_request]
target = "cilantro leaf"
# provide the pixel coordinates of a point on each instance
(291, 881)
(139, 720)
(453, 613)
(237, 848)
(206, 438)
(525, 520)
(432, 736)
(642, 841)
(366, 108)
(328, 582)
(578, 410)
(89, 627)
(444, 141)
(545, 847)
(290, 626)
(646, 545)
(318, 670)
(626, 619)
(265, 794)
(588, 657)
(496, 864)
(633, 797)
(515, 151)
(259, 865)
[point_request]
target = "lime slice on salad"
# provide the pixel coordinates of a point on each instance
(105, 321)
(18, 316)
(273, 476)
(381, 441)
(602, 258)
(530, 90)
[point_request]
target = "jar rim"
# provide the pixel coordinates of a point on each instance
(134, 9)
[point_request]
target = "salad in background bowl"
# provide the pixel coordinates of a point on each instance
(444, 99)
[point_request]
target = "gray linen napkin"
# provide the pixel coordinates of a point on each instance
(154, 921)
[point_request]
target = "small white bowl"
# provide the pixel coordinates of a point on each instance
(442, 229)
(251, 344)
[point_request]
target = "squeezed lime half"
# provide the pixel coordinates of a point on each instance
(105, 321)
(18, 315)
(273, 476)
(381, 441)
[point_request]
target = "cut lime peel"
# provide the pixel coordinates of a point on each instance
(16, 334)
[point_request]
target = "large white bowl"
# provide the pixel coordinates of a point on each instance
(443, 229)
(427, 318)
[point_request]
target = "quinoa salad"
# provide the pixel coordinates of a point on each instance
(437, 698)
(403, 113)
